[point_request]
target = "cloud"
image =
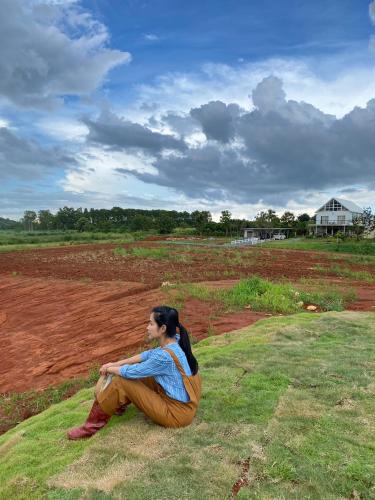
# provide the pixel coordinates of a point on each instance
(119, 134)
(279, 151)
(269, 94)
(332, 93)
(371, 9)
(50, 50)
(179, 123)
(151, 37)
(217, 119)
(25, 159)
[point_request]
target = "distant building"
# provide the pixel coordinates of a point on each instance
(336, 215)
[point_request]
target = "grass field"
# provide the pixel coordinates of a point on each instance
(13, 240)
(287, 412)
(362, 247)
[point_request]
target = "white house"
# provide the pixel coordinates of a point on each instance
(336, 215)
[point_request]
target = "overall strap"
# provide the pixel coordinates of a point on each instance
(176, 360)
(192, 384)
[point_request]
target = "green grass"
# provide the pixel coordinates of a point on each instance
(345, 272)
(262, 295)
(12, 240)
(152, 253)
(348, 273)
(15, 407)
(364, 247)
(293, 395)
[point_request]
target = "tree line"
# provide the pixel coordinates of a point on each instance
(119, 219)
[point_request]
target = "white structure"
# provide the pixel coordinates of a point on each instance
(336, 215)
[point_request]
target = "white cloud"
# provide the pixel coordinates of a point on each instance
(4, 123)
(50, 51)
(371, 9)
(151, 37)
(63, 129)
(179, 92)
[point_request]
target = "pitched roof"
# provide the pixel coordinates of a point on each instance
(349, 205)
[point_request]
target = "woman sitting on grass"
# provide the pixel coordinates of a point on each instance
(163, 383)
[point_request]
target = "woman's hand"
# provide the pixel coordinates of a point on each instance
(103, 368)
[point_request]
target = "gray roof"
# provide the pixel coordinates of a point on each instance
(349, 205)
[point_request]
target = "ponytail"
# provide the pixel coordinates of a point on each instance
(168, 316)
(185, 345)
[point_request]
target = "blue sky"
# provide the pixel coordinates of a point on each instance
(239, 105)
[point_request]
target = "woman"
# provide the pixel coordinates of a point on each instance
(163, 383)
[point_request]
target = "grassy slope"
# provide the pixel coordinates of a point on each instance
(295, 394)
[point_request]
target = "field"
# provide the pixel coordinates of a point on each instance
(287, 411)
(65, 310)
(287, 407)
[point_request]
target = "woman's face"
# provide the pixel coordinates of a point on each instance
(153, 329)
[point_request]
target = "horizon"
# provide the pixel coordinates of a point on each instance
(163, 105)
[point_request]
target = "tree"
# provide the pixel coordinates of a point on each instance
(358, 226)
(200, 219)
(364, 223)
(141, 223)
(225, 219)
(267, 219)
(66, 218)
(303, 218)
(302, 224)
(165, 224)
(46, 219)
(287, 219)
(82, 224)
(368, 219)
(29, 218)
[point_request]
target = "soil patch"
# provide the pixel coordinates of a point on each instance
(55, 330)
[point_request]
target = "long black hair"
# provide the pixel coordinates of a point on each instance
(168, 316)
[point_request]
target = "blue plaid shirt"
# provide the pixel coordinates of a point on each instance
(159, 364)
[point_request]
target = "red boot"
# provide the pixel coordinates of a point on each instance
(95, 421)
(121, 409)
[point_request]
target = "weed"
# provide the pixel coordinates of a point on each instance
(319, 268)
(263, 295)
(120, 251)
(348, 273)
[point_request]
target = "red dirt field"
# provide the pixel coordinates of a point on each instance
(100, 263)
(64, 309)
(53, 330)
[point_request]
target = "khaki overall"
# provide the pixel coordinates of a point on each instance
(150, 398)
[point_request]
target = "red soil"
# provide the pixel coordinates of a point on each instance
(70, 307)
(99, 263)
(53, 330)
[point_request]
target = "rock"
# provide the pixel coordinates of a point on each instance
(311, 308)
(167, 283)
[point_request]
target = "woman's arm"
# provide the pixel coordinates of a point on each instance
(130, 361)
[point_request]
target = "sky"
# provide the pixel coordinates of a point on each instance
(201, 105)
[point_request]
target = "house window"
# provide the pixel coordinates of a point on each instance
(341, 219)
(324, 219)
(334, 206)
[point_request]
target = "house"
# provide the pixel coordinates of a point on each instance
(336, 215)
